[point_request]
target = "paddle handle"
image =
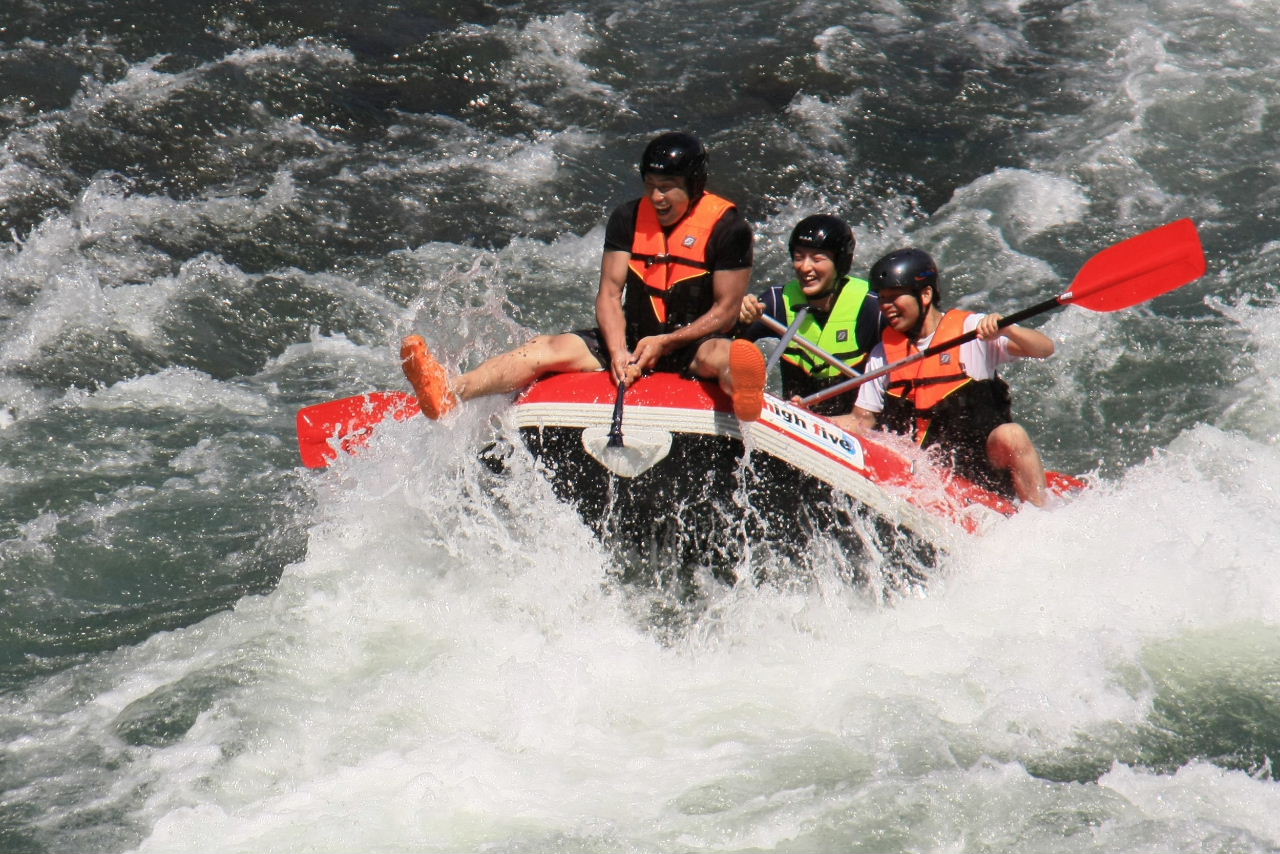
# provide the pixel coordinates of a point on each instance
(785, 341)
(1017, 316)
(615, 428)
(835, 361)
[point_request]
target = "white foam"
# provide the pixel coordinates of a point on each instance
(1252, 406)
(458, 664)
(182, 389)
(1203, 794)
(550, 48)
(92, 268)
(838, 46)
(1021, 202)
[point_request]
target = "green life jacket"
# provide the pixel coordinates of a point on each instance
(839, 336)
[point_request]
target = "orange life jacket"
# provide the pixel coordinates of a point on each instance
(923, 385)
(663, 261)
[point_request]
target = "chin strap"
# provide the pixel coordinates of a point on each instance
(836, 287)
(914, 334)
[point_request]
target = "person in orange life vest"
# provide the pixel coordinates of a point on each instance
(676, 265)
(952, 401)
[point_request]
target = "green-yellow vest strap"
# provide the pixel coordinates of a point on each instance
(839, 336)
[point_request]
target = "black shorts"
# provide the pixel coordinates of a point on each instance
(970, 461)
(675, 362)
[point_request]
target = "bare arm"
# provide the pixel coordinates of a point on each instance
(1024, 343)
(728, 289)
(609, 317)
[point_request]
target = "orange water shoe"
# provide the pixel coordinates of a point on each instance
(747, 370)
(427, 376)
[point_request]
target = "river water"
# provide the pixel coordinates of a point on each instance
(215, 212)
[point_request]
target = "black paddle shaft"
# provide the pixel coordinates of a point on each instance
(615, 429)
(841, 388)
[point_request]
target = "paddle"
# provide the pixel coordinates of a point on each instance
(788, 333)
(1133, 271)
(834, 361)
(350, 420)
(644, 448)
(615, 428)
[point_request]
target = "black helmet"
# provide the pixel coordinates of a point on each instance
(910, 269)
(677, 154)
(827, 233)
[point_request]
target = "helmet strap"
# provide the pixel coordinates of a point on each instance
(924, 313)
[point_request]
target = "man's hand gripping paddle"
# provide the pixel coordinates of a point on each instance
(1134, 271)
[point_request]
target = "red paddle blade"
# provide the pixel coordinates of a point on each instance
(347, 424)
(1140, 268)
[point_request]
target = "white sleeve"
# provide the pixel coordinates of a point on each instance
(871, 393)
(981, 358)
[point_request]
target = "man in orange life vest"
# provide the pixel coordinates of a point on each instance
(952, 401)
(676, 265)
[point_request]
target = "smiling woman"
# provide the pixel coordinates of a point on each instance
(952, 401)
(822, 305)
(216, 213)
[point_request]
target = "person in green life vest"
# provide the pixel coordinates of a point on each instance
(843, 316)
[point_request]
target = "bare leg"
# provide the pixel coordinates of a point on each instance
(515, 369)
(1009, 447)
(507, 372)
(711, 362)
